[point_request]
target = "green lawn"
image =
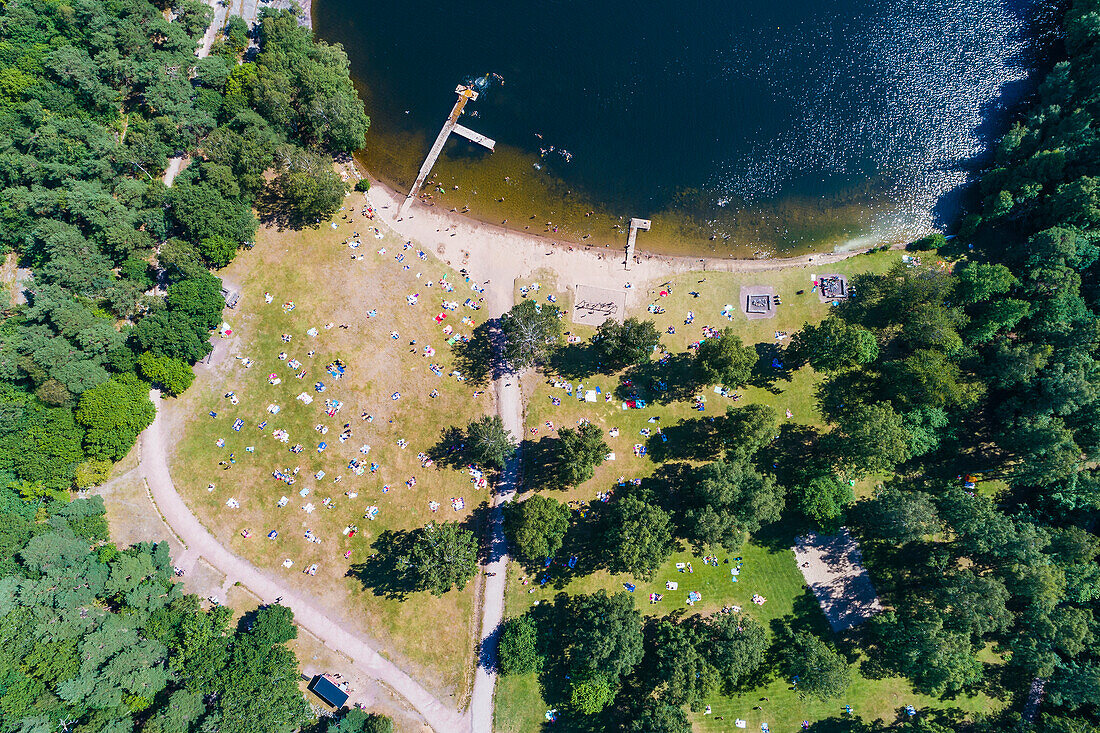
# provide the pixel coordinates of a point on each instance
(769, 567)
(316, 270)
(768, 570)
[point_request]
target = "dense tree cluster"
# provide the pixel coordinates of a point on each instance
(95, 98)
(94, 639)
(613, 670)
(984, 363)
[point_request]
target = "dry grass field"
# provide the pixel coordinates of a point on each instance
(347, 305)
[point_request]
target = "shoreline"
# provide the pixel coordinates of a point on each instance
(492, 251)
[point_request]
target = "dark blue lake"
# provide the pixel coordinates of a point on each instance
(753, 126)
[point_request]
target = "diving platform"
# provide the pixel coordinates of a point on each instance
(465, 94)
(632, 238)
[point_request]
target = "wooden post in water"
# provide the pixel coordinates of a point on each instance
(465, 94)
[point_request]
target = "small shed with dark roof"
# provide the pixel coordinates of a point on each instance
(327, 690)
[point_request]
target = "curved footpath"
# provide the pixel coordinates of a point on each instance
(200, 543)
(500, 256)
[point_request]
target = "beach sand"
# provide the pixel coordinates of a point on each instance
(494, 253)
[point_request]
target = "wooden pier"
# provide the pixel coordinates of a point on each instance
(465, 94)
(632, 238)
(475, 137)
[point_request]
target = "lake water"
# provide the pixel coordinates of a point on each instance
(760, 127)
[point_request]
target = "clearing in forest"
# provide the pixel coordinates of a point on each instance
(304, 442)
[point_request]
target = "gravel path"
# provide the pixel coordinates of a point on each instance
(499, 299)
(309, 616)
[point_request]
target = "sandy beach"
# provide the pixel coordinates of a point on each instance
(494, 253)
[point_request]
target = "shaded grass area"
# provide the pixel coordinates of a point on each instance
(329, 285)
(769, 567)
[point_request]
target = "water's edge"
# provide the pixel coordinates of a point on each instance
(517, 189)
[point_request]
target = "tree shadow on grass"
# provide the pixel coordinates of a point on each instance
(575, 361)
(792, 455)
(764, 372)
(687, 440)
(450, 449)
(272, 209)
(1003, 681)
(779, 536)
(479, 358)
(541, 463)
(844, 724)
(582, 546)
(672, 379)
(386, 573)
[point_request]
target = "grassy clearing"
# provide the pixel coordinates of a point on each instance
(769, 567)
(329, 286)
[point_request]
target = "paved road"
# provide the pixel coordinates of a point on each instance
(200, 543)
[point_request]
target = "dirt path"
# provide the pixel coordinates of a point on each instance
(499, 299)
(201, 544)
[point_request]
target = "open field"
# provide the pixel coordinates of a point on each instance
(332, 285)
(784, 390)
(769, 567)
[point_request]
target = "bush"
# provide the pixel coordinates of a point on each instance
(92, 473)
(171, 376)
(932, 241)
(590, 696)
(362, 185)
(360, 721)
(518, 651)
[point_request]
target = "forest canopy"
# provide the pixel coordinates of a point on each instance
(95, 98)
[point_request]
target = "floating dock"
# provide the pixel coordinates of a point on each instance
(465, 94)
(632, 238)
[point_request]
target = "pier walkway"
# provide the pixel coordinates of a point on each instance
(475, 137)
(465, 94)
(632, 238)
